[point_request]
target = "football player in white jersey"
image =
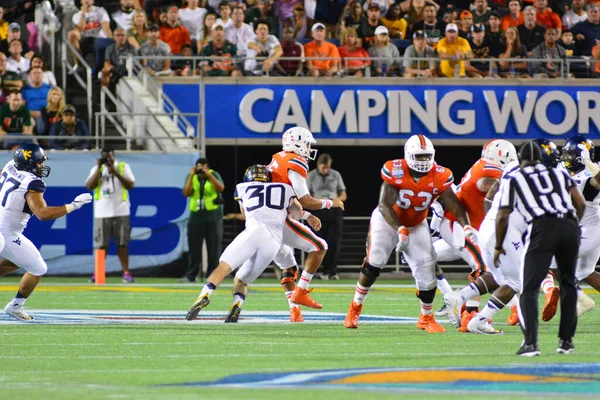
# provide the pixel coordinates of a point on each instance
(22, 195)
(265, 205)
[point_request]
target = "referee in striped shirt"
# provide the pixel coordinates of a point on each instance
(548, 199)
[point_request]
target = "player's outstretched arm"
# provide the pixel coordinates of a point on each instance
(450, 201)
(37, 205)
(489, 197)
(308, 202)
(388, 195)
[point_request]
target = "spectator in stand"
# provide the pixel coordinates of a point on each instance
(493, 33)
(596, 58)
(153, 48)
(124, 15)
(567, 42)
(138, 34)
(114, 67)
(290, 48)
(263, 12)
(192, 17)
(299, 22)
(416, 12)
(284, 10)
(55, 103)
(514, 16)
(419, 49)
(204, 36)
(318, 47)
(10, 80)
(481, 12)
(240, 33)
(35, 95)
(38, 62)
(91, 31)
(587, 33)
(395, 23)
(575, 15)
(14, 33)
(225, 14)
(481, 48)
(182, 66)
(530, 33)
(549, 50)
(72, 130)
(3, 25)
(454, 53)
(513, 49)
(220, 47)
(330, 13)
(366, 31)
(432, 27)
(173, 33)
(3, 93)
(466, 22)
(355, 15)
(16, 121)
(263, 45)
(352, 48)
(383, 5)
(546, 17)
(16, 62)
(382, 48)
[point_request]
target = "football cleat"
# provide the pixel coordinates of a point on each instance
(584, 303)
(465, 318)
(565, 347)
(127, 278)
(529, 350)
(351, 321)
(302, 297)
(428, 324)
(234, 314)
(93, 278)
(296, 315)
(200, 303)
(481, 325)
(17, 312)
(552, 298)
(513, 318)
(453, 303)
(441, 312)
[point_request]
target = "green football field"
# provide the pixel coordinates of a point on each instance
(131, 341)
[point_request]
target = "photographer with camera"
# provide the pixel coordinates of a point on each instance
(110, 181)
(204, 187)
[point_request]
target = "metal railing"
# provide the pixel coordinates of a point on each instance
(45, 18)
(67, 68)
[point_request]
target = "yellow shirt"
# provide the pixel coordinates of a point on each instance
(399, 24)
(447, 66)
(3, 30)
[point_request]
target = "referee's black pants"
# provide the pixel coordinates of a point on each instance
(550, 237)
(332, 225)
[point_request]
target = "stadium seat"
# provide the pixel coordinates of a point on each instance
(335, 42)
(401, 44)
(303, 40)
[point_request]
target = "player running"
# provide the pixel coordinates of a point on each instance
(22, 195)
(409, 186)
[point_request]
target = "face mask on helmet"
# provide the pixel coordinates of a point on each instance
(419, 153)
(298, 140)
(572, 161)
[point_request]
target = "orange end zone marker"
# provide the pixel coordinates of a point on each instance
(99, 268)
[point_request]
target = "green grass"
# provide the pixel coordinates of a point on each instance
(130, 361)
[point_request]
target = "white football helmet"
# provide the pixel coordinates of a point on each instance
(419, 153)
(298, 140)
(499, 152)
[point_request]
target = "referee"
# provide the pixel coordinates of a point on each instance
(547, 199)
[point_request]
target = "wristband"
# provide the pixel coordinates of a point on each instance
(498, 249)
(69, 207)
(305, 215)
(326, 204)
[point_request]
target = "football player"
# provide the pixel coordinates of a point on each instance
(22, 193)
(265, 206)
(399, 222)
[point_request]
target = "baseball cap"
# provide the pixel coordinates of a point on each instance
(420, 34)
(451, 27)
(465, 14)
(153, 27)
(381, 30)
(477, 28)
(69, 109)
(496, 14)
(374, 5)
(316, 26)
(14, 27)
(217, 25)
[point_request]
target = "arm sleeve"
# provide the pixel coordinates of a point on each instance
(236, 196)
(310, 182)
(36, 186)
(298, 183)
(128, 173)
(507, 195)
(105, 16)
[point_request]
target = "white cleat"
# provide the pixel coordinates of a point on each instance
(17, 312)
(453, 303)
(441, 312)
(481, 325)
(584, 303)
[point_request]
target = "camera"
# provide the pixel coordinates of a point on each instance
(219, 200)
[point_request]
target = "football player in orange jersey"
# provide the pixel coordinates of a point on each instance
(409, 186)
(291, 166)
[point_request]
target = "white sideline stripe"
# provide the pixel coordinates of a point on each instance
(199, 285)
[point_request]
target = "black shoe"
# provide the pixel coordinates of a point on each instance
(234, 314)
(565, 347)
(529, 350)
(198, 305)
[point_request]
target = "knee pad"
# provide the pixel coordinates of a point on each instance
(289, 275)
(426, 296)
(370, 271)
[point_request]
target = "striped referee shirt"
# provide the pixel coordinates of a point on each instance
(537, 191)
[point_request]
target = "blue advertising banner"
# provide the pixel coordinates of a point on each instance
(159, 212)
(334, 111)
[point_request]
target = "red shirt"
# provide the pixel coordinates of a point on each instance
(175, 36)
(359, 52)
(549, 19)
(291, 50)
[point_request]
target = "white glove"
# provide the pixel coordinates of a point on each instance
(585, 153)
(471, 233)
(80, 200)
(402, 239)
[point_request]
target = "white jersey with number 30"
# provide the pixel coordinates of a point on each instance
(14, 186)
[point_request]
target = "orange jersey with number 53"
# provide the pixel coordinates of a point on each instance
(415, 197)
(469, 194)
(284, 161)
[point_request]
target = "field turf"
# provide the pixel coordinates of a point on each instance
(153, 360)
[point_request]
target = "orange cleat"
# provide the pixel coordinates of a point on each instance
(351, 321)
(296, 315)
(465, 318)
(428, 324)
(301, 296)
(552, 298)
(513, 319)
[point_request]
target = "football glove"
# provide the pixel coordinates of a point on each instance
(80, 200)
(402, 239)
(585, 153)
